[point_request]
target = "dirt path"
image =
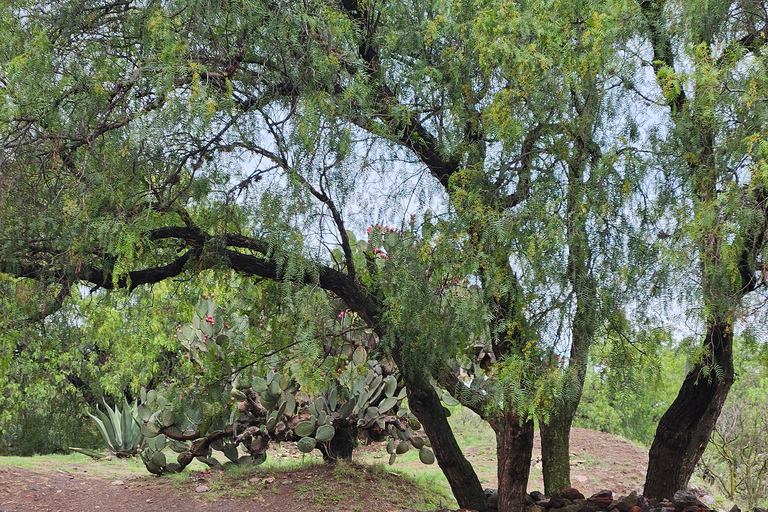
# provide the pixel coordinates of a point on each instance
(598, 461)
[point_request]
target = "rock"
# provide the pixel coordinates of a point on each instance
(708, 500)
(635, 509)
(683, 499)
(735, 509)
(586, 507)
(555, 501)
(627, 502)
(492, 498)
(535, 508)
(117, 482)
(537, 496)
(602, 499)
(287, 481)
(572, 494)
(201, 488)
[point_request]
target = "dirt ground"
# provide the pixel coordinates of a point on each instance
(598, 461)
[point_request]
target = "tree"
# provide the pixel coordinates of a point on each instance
(709, 68)
(147, 142)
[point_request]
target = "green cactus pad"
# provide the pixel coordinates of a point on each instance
(325, 433)
(417, 442)
(230, 451)
(268, 403)
(391, 447)
(306, 444)
(178, 446)
(166, 418)
(426, 456)
(321, 405)
(390, 386)
(281, 409)
(304, 429)
(158, 458)
(158, 443)
(359, 356)
(402, 447)
(144, 412)
(290, 404)
(271, 422)
(347, 409)
(259, 385)
(387, 404)
(392, 458)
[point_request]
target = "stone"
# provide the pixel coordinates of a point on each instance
(735, 509)
(602, 499)
(572, 494)
(683, 499)
(201, 488)
(556, 501)
(492, 498)
(635, 509)
(537, 496)
(117, 482)
(627, 502)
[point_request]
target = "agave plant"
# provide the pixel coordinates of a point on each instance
(119, 428)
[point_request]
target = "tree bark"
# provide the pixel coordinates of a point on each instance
(514, 447)
(425, 404)
(685, 429)
(555, 452)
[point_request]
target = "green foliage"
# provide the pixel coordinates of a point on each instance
(631, 380)
(736, 459)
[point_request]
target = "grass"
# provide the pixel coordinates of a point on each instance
(116, 467)
(476, 439)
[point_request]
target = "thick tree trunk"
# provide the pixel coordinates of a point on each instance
(555, 451)
(685, 429)
(514, 446)
(426, 405)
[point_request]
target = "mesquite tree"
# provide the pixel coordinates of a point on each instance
(143, 142)
(710, 68)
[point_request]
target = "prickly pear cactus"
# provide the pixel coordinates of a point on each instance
(241, 417)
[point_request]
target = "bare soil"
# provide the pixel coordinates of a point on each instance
(598, 461)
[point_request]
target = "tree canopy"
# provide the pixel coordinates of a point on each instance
(487, 187)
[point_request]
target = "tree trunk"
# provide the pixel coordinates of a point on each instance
(685, 429)
(514, 447)
(425, 404)
(555, 452)
(342, 445)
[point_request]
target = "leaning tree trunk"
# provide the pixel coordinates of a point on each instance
(514, 447)
(685, 429)
(426, 405)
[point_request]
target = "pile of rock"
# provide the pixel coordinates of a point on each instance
(571, 500)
